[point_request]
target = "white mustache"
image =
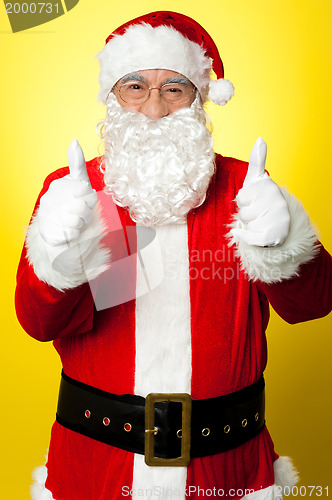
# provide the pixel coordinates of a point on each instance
(160, 169)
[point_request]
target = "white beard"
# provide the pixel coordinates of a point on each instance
(159, 169)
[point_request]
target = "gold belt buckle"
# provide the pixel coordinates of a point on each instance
(151, 431)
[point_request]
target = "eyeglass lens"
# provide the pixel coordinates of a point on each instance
(136, 92)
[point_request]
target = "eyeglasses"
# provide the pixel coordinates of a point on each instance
(136, 92)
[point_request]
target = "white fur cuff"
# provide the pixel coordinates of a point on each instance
(275, 264)
(68, 266)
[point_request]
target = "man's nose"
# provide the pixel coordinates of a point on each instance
(155, 106)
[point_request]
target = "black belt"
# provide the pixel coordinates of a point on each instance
(167, 428)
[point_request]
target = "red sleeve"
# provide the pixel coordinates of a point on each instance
(44, 312)
(306, 297)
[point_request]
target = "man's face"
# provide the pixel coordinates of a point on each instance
(159, 103)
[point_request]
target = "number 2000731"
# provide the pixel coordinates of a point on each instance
(32, 8)
(304, 491)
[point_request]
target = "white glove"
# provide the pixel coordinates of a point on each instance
(262, 208)
(66, 209)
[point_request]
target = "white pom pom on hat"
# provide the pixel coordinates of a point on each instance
(164, 40)
(221, 91)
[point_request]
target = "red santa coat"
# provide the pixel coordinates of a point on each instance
(226, 317)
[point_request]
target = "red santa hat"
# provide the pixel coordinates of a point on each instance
(164, 40)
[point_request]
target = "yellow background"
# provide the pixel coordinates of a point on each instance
(278, 55)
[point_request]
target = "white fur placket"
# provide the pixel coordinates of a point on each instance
(163, 344)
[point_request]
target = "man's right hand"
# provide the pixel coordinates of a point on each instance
(66, 209)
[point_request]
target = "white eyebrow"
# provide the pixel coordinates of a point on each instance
(136, 76)
(133, 76)
(177, 79)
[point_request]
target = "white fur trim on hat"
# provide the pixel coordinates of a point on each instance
(143, 47)
(221, 91)
(275, 264)
(85, 258)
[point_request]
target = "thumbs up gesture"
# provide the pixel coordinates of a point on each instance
(263, 211)
(66, 209)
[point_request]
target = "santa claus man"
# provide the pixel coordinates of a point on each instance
(151, 268)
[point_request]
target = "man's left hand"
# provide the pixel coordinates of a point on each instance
(263, 210)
